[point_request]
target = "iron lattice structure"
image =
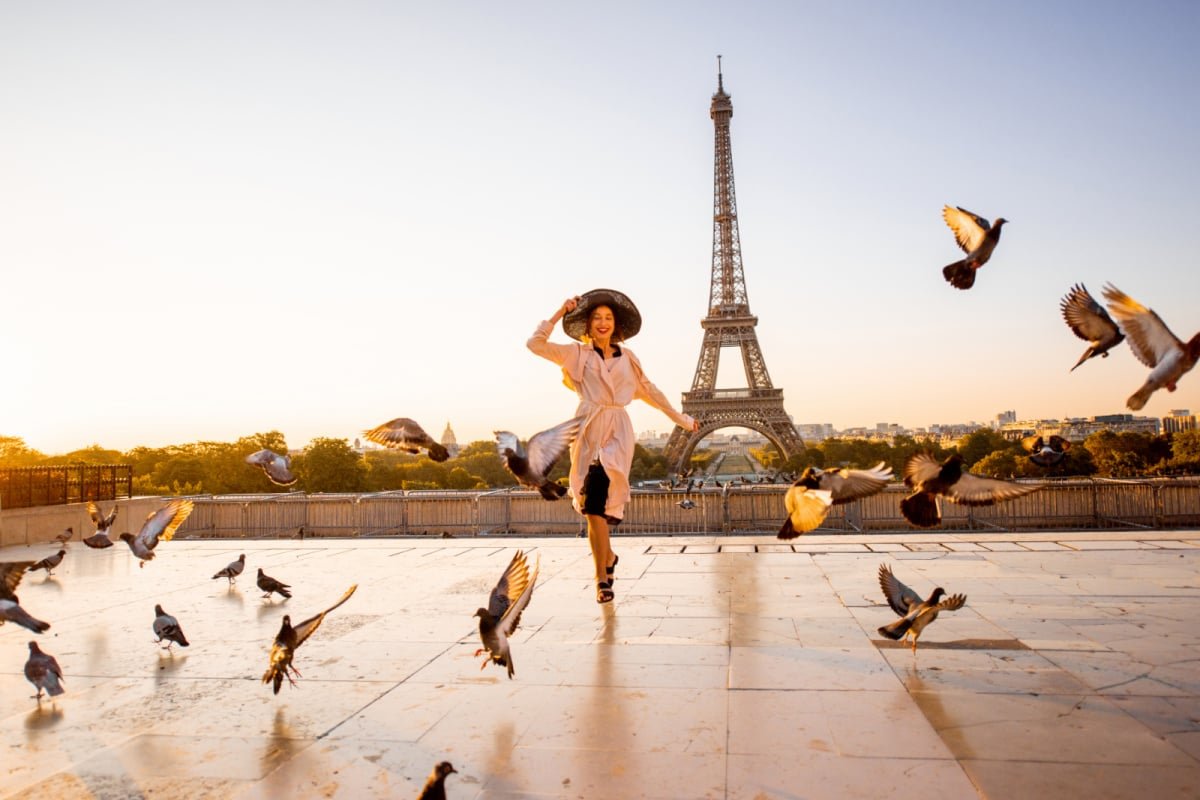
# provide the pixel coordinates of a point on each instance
(729, 323)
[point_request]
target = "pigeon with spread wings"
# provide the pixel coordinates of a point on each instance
(931, 481)
(159, 525)
(977, 238)
(289, 638)
(500, 619)
(11, 573)
(1088, 320)
(914, 612)
(530, 465)
(277, 468)
(816, 490)
(1046, 451)
(100, 539)
(1154, 345)
(404, 434)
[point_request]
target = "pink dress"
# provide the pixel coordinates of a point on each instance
(605, 387)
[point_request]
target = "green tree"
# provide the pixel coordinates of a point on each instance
(330, 465)
(15, 453)
(981, 443)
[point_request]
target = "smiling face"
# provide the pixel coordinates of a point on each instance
(602, 325)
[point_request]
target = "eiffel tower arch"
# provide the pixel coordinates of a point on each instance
(729, 324)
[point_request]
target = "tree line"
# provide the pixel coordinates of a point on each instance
(333, 465)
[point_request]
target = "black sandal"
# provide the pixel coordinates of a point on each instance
(604, 592)
(611, 568)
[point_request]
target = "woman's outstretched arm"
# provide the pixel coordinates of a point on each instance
(540, 342)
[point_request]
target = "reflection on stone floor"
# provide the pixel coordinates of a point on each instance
(732, 667)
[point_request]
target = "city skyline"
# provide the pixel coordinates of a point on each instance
(224, 220)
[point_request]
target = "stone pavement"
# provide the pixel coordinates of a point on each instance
(727, 668)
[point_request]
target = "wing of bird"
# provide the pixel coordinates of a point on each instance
(401, 433)
(279, 473)
(11, 573)
(306, 628)
(1149, 337)
(952, 603)
(969, 229)
(546, 447)
(260, 458)
(851, 484)
(1059, 444)
(1032, 444)
(1086, 318)
(510, 587)
(163, 523)
(972, 490)
(512, 617)
(919, 468)
(806, 509)
(901, 598)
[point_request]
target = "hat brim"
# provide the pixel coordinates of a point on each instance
(629, 320)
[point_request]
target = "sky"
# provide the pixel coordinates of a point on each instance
(224, 218)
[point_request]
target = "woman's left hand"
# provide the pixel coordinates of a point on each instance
(695, 425)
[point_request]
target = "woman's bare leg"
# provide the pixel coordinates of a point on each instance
(598, 538)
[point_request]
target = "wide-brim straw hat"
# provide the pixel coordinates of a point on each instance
(629, 319)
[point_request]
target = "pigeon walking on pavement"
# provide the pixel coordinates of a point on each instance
(289, 638)
(101, 538)
(915, 614)
(435, 788)
(530, 465)
(1046, 451)
(500, 619)
(809, 499)
(232, 571)
(1088, 320)
(931, 481)
(167, 627)
(1154, 345)
(65, 536)
(159, 525)
(277, 468)
(43, 671)
(49, 563)
(977, 238)
(269, 585)
(404, 434)
(11, 573)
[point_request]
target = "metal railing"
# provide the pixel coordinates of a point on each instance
(1059, 505)
(26, 487)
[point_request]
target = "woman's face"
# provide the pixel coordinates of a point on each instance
(601, 323)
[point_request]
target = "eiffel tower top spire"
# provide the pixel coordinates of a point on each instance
(727, 291)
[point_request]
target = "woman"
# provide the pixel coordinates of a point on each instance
(606, 376)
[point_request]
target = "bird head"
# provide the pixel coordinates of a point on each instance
(287, 621)
(482, 613)
(260, 572)
(242, 557)
(444, 768)
(61, 553)
(33, 648)
(126, 537)
(937, 595)
(999, 221)
(1193, 347)
(158, 612)
(809, 479)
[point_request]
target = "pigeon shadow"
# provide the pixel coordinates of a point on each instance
(42, 718)
(51, 583)
(958, 644)
(168, 662)
(234, 596)
(266, 609)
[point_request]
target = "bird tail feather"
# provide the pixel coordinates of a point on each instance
(438, 453)
(786, 531)
(552, 491)
(897, 629)
(1138, 399)
(283, 590)
(959, 275)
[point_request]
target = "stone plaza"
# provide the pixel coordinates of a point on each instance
(727, 667)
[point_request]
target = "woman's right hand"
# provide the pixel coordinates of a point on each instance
(567, 307)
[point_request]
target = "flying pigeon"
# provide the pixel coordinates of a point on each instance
(404, 434)
(914, 612)
(977, 238)
(167, 627)
(288, 639)
(233, 570)
(809, 499)
(435, 788)
(1046, 451)
(43, 672)
(531, 465)
(928, 479)
(100, 539)
(269, 584)
(687, 503)
(160, 524)
(1088, 320)
(500, 619)
(276, 467)
(49, 563)
(1153, 344)
(65, 536)
(11, 573)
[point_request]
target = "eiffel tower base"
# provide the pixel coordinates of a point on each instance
(757, 409)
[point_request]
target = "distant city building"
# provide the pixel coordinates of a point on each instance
(1180, 419)
(1005, 418)
(450, 441)
(815, 431)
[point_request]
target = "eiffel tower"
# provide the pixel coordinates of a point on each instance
(729, 324)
